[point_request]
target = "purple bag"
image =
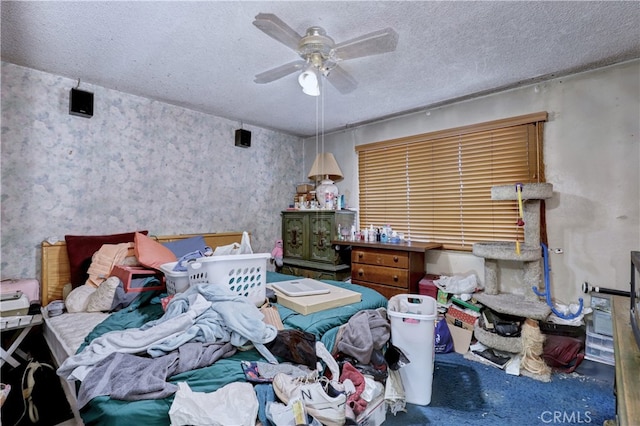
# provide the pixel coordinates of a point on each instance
(442, 337)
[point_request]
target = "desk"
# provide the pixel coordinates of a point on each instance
(21, 331)
(388, 268)
(627, 356)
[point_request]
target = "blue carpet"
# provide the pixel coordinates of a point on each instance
(466, 392)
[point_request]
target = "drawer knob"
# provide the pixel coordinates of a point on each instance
(361, 272)
(360, 255)
(395, 259)
(395, 278)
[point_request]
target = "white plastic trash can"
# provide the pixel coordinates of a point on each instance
(413, 319)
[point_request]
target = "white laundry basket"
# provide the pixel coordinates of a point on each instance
(413, 319)
(244, 274)
(176, 281)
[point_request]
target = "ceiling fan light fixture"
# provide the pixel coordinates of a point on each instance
(317, 49)
(310, 81)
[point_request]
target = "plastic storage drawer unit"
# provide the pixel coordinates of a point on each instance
(599, 347)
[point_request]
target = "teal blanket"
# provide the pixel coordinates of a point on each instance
(324, 325)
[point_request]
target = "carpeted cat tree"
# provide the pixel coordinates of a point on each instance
(524, 302)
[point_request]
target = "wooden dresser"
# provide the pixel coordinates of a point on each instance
(388, 268)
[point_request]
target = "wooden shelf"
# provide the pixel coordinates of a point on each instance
(627, 356)
(405, 246)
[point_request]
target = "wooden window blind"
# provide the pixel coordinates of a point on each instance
(436, 187)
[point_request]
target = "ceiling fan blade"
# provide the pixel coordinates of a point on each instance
(279, 72)
(342, 80)
(374, 43)
(274, 27)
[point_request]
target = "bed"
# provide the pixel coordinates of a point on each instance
(65, 340)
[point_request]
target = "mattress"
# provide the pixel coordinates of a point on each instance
(65, 333)
(70, 332)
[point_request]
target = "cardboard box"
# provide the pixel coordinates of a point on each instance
(462, 318)
(375, 414)
(426, 286)
(303, 188)
(461, 330)
(443, 297)
(305, 305)
(461, 338)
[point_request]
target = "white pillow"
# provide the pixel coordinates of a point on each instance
(102, 299)
(78, 298)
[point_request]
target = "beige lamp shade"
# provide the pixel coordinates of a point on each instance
(325, 166)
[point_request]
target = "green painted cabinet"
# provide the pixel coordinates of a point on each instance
(306, 237)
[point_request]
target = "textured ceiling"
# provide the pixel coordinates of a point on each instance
(204, 55)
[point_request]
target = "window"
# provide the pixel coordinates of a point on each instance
(436, 187)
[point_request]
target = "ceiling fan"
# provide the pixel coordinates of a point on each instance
(320, 54)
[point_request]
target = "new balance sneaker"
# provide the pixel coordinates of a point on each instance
(330, 411)
(334, 387)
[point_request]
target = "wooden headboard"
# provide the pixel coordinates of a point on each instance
(55, 263)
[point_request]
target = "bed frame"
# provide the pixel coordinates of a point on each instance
(55, 275)
(55, 262)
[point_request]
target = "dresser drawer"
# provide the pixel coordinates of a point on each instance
(395, 277)
(317, 274)
(391, 258)
(385, 290)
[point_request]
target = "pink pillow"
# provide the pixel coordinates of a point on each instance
(151, 253)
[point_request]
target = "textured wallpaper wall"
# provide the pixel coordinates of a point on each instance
(136, 164)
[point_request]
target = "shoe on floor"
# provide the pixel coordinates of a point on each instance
(330, 411)
(333, 387)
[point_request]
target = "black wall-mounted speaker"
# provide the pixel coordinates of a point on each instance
(81, 103)
(243, 138)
